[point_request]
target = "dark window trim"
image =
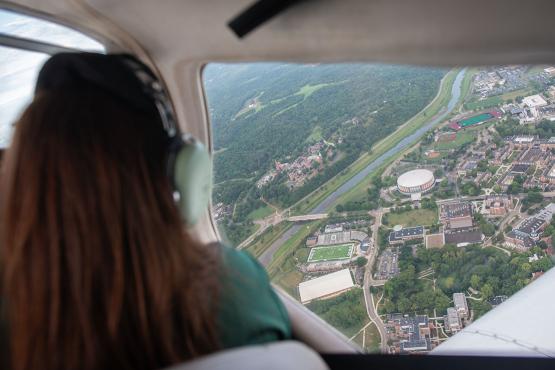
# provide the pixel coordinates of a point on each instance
(427, 362)
(23, 43)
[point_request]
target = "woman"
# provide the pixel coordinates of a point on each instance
(97, 271)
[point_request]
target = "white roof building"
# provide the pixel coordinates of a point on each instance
(453, 323)
(460, 303)
(534, 101)
(326, 285)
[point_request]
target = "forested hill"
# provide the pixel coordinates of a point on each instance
(268, 111)
(290, 100)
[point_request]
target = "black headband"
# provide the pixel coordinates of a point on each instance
(111, 73)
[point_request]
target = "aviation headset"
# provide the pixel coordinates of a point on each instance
(131, 81)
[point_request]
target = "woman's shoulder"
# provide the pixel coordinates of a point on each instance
(250, 310)
(239, 263)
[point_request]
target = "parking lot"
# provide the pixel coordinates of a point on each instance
(388, 264)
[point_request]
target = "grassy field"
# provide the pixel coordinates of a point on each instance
(490, 102)
(373, 339)
(260, 213)
(331, 253)
(465, 86)
(463, 137)
(415, 217)
(260, 243)
(315, 135)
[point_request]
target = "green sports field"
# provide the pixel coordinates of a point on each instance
(475, 119)
(331, 253)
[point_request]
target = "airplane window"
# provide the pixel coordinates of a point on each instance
(398, 203)
(21, 25)
(19, 68)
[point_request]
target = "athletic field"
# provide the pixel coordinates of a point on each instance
(475, 119)
(331, 253)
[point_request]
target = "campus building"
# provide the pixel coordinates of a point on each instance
(461, 305)
(456, 215)
(326, 286)
(401, 235)
(415, 181)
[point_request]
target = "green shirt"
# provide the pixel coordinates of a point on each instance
(250, 311)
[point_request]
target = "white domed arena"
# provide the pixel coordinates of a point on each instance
(416, 181)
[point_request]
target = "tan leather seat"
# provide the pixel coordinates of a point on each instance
(279, 355)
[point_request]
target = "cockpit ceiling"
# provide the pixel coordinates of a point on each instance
(433, 32)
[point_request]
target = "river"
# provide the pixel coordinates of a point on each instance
(267, 256)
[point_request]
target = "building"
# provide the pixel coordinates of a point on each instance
(435, 240)
(415, 181)
(519, 169)
(463, 237)
(326, 286)
(364, 245)
(528, 231)
(514, 239)
(456, 215)
(341, 237)
(534, 101)
(548, 175)
(461, 305)
(497, 205)
(334, 238)
(311, 241)
(334, 228)
(452, 321)
(408, 233)
(412, 332)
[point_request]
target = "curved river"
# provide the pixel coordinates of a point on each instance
(267, 256)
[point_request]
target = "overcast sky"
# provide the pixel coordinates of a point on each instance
(18, 69)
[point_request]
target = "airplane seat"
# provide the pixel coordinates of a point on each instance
(278, 355)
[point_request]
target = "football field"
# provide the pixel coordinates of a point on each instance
(331, 253)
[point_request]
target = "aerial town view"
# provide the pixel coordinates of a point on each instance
(398, 203)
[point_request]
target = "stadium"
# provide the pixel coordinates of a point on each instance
(331, 253)
(415, 181)
(475, 120)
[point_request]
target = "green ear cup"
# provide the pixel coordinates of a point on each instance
(192, 180)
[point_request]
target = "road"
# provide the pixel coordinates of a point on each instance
(267, 256)
(369, 281)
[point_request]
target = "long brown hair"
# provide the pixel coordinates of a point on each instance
(96, 269)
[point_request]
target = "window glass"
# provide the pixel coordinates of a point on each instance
(416, 198)
(21, 25)
(19, 68)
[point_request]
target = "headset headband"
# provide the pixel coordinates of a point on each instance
(121, 75)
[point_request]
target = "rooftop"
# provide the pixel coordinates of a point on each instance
(464, 236)
(459, 300)
(415, 178)
(454, 210)
(526, 241)
(534, 101)
(406, 232)
(325, 285)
